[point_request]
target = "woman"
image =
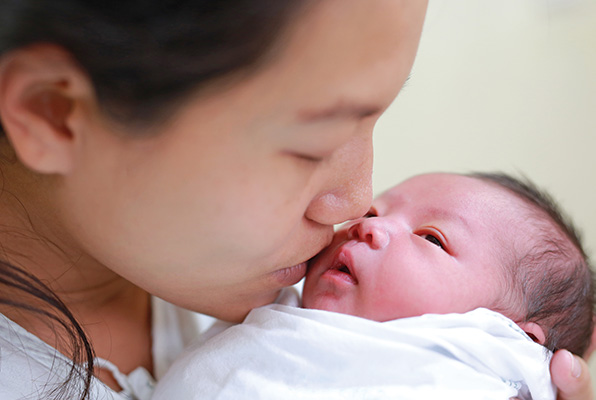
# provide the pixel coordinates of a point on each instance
(183, 149)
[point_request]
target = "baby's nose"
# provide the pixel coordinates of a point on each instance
(371, 231)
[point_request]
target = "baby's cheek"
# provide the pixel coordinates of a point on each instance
(308, 291)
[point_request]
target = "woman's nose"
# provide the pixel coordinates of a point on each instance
(347, 193)
(371, 231)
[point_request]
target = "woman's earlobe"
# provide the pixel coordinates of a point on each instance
(534, 331)
(36, 102)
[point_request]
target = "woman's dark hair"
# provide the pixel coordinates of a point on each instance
(49, 306)
(554, 275)
(142, 57)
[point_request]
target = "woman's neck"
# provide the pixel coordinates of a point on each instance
(114, 313)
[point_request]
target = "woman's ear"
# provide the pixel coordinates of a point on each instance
(40, 87)
(534, 331)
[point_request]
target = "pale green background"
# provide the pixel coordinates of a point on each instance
(501, 85)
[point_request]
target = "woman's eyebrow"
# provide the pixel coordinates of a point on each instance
(343, 109)
(340, 110)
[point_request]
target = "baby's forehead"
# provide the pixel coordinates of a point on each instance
(445, 190)
(484, 206)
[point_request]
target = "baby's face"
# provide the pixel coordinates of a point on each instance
(432, 244)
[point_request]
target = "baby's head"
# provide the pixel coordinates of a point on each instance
(443, 243)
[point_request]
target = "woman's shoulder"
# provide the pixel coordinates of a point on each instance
(27, 365)
(30, 368)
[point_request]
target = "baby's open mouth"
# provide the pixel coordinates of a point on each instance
(345, 269)
(341, 269)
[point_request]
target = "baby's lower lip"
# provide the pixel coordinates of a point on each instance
(340, 276)
(291, 275)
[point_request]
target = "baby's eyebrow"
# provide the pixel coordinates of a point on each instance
(444, 214)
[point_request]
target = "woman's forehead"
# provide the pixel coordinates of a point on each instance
(344, 53)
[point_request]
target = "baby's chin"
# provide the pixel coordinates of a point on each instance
(312, 301)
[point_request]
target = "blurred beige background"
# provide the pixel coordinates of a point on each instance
(501, 85)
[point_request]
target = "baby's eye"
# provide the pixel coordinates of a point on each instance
(433, 239)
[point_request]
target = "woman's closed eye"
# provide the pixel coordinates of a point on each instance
(309, 158)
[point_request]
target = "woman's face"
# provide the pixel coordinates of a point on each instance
(220, 210)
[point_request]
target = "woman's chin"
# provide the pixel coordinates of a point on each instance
(237, 310)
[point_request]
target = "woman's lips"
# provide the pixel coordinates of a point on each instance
(291, 275)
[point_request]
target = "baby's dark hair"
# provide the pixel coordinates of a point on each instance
(553, 277)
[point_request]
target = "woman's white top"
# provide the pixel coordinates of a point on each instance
(285, 352)
(32, 369)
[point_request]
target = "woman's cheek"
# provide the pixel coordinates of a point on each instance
(268, 227)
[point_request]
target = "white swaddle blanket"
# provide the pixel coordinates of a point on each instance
(283, 352)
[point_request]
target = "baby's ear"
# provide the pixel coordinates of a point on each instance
(534, 331)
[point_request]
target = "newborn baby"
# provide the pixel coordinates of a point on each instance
(448, 287)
